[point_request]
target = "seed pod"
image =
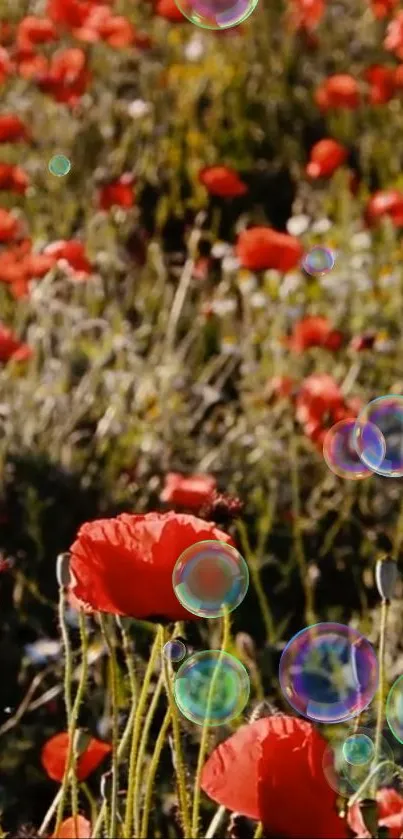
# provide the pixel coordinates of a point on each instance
(369, 812)
(63, 570)
(386, 574)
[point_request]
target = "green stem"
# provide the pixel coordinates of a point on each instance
(91, 801)
(68, 655)
(381, 685)
(113, 670)
(69, 771)
(179, 760)
(253, 566)
(142, 750)
(310, 617)
(358, 794)
(205, 728)
(128, 823)
(159, 745)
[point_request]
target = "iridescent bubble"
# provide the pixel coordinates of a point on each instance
(212, 686)
(210, 578)
(318, 261)
(59, 165)
(394, 709)
(386, 413)
(174, 650)
(348, 761)
(216, 14)
(340, 453)
(358, 749)
(329, 672)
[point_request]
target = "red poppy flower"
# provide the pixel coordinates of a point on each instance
(124, 565)
(119, 193)
(35, 30)
(338, 91)
(101, 24)
(394, 36)
(319, 405)
(6, 33)
(30, 64)
(383, 8)
(314, 331)
(363, 342)
(325, 157)
(382, 84)
(307, 14)
(69, 13)
(385, 202)
(222, 181)
(279, 387)
(11, 347)
(12, 129)
(13, 178)
(390, 815)
(18, 265)
(6, 65)
(191, 492)
(75, 827)
(67, 77)
(262, 247)
(271, 770)
(73, 252)
(54, 756)
(169, 10)
(9, 226)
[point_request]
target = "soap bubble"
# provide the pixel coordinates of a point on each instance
(394, 709)
(59, 165)
(211, 685)
(216, 14)
(174, 650)
(210, 578)
(318, 261)
(329, 672)
(386, 413)
(348, 761)
(340, 452)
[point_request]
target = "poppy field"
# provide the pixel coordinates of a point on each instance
(201, 300)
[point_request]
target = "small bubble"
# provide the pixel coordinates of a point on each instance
(59, 165)
(174, 650)
(318, 261)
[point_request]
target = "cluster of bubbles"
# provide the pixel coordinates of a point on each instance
(216, 14)
(59, 165)
(372, 443)
(211, 687)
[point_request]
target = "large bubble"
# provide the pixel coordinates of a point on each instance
(212, 687)
(340, 452)
(394, 709)
(386, 413)
(329, 672)
(210, 578)
(216, 14)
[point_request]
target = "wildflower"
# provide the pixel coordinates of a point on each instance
(67, 76)
(338, 91)
(279, 387)
(101, 24)
(307, 14)
(13, 178)
(75, 827)
(6, 65)
(386, 202)
(11, 347)
(169, 10)
(9, 226)
(119, 193)
(362, 342)
(187, 491)
(73, 252)
(35, 30)
(394, 36)
(271, 770)
(325, 157)
(319, 405)
(382, 81)
(54, 756)
(390, 814)
(12, 129)
(382, 8)
(260, 248)
(222, 181)
(124, 565)
(314, 331)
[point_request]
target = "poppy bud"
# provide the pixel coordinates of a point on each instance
(245, 646)
(63, 570)
(369, 812)
(386, 574)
